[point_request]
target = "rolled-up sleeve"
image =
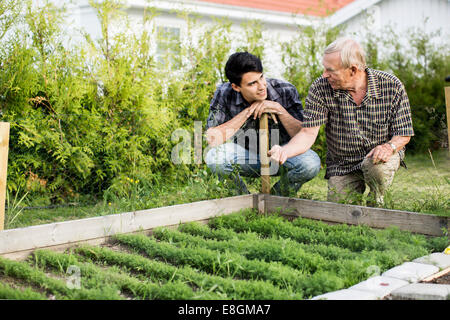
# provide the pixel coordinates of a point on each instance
(315, 113)
(401, 119)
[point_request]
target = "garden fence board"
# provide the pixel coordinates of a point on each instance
(54, 234)
(373, 217)
(17, 243)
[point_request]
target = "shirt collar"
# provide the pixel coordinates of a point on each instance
(272, 94)
(238, 98)
(372, 88)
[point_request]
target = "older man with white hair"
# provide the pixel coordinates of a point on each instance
(368, 123)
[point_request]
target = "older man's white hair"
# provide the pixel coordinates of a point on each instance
(351, 52)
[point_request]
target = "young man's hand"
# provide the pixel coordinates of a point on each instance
(259, 107)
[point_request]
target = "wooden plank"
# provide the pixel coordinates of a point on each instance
(4, 144)
(350, 214)
(263, 149)
(436, 275)
(261, 204)
(447, 104)
(29, 238)
(24, 254)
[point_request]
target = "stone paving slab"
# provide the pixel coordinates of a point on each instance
(380, 285)
(347, 294)
(422, 291)
(396, 282)
(411, 271)
(438, 259)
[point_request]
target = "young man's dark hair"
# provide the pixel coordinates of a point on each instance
(239, 63)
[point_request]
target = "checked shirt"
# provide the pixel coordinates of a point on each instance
(353, 130)
(227, 103)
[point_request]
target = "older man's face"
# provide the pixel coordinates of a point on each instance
(338, 77)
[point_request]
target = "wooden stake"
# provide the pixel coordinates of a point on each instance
(263, 149)
(447, 103)
(4, 143)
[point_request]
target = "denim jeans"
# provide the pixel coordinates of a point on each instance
(231, 158)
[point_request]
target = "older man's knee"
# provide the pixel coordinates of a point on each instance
(381, 173)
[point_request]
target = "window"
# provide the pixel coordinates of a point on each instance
(168, 44)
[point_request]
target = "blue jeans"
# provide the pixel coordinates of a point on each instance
(229, 158)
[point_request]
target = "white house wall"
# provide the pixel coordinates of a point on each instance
(277, 27)
(403, 15)
(280, 26)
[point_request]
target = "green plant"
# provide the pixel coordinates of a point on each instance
(8, 292)
(232, 288)
(59, 288)
(95, 277)
(14, 207)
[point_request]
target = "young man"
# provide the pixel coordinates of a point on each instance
(233, 124)
(368, 123)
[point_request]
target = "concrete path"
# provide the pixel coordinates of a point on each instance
(400, 283)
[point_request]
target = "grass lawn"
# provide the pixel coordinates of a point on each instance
(423, 187)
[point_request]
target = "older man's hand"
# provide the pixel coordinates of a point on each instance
(381, 153)
(277, 153)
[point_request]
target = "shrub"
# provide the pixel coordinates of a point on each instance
(88, 114)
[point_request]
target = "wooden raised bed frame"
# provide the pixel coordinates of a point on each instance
(19, 243)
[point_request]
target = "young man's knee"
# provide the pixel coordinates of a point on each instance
(215, 161)
(224, 158)
(308, 168)
(313, 167)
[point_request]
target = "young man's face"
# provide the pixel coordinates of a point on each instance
(338, 76)
(253, 87)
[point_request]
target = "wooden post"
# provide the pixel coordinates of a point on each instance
(263, 149)
(447, 103)
(4, 143)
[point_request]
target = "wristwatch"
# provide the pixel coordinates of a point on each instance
(393, 146)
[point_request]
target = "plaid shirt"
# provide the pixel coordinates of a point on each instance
(352, 130)
(227, 103)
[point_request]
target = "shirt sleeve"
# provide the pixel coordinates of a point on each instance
(315, 113)
(217, 114)
(294, 104)
(401, 120)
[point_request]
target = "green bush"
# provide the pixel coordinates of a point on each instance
(87, 115)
